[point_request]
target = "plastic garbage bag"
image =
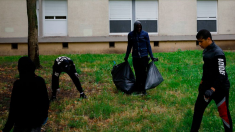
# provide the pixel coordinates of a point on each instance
(154, 78)
(123, 77)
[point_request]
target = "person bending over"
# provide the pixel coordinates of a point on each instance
(65, 64)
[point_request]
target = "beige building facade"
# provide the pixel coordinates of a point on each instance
(102, 26)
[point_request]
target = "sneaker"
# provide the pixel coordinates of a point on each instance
(82, 95)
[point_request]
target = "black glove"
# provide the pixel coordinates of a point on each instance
(154, 59)
(82, 95)
(125, 59)
(209, 93)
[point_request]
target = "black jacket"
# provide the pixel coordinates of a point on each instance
(214, 72)
(29, 99)
(139, 43)
(63, 64)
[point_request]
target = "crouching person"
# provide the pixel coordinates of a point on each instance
(65, 64)
(29, 100)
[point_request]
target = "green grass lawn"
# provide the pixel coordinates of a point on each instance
(167, 108)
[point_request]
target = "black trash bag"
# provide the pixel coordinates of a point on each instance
(154, 78)
(123, 77)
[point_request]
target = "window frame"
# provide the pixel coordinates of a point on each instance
(47, 11)
(121, 33)
(144, 19)
(133, 17)
(210, 18)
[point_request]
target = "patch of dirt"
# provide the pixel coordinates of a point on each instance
(7, 78)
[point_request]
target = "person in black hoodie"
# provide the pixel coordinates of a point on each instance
(65, 64)
(138, 41)
(214, 84)
(29, 100)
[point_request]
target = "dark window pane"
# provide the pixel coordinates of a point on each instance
(120, 26)
(14, 46)
(149, 25)
(111, 44)
(60, 17)
(156, 43)
(65, 45)
(209, 25)
(49, 17)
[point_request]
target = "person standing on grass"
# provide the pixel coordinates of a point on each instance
(65, 64)
(138, 41)
(214, 84)
(29, 100)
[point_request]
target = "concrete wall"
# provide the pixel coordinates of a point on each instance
(82, 48)
(226, 16)
(5, 49)
(103, 47)
(88, 18)
(91, 17)
(177, 17)
(13, 18)
(73, 48)
(176, 28)
(226, 45)
(170, 46)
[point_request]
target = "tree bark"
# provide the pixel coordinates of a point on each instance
(33, 50)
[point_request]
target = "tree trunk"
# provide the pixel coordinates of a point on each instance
(33, 50)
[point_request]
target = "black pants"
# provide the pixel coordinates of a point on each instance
(221, 98)
(140, 67)
(73, 75)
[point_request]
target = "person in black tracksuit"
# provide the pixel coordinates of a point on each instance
(65, 64)
(29, 100)
(214, 83)
(138, 41)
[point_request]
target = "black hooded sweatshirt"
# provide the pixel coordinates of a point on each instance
(29, 99)
(139, 43)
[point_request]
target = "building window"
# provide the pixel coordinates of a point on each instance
(156, 43)
(207, 15)
(147, 13)
(111, 45)
(122, 15)
(14, 46)
(55, 14)
(49, 17)
(65, 45)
